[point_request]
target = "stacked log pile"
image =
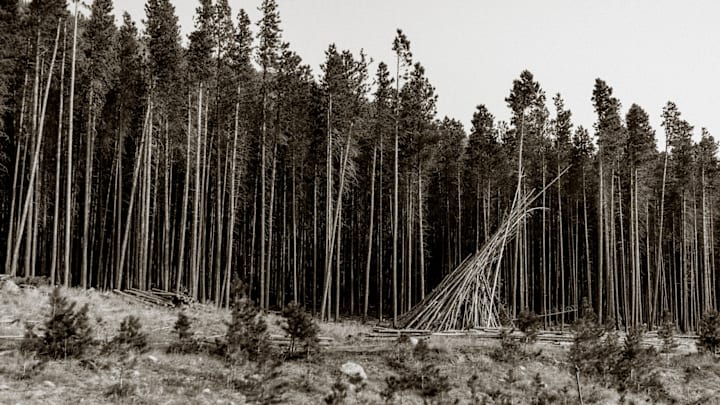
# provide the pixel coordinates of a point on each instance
(156, 297)
(466, 298)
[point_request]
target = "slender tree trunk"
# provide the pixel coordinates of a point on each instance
(186, 197)
(294, 235)
(89, 153)
(167, 218)
(603, 245)
(659, 266)
(16, 174)
(561, 242)
(263, 277)
(128, 220)
(587, 244)
(395, 211)
(315, 214)
(231, 225)
(328, 259)
(34, 165)
(370, 236)
(58, 157)
(197, 215)
(270, 227)
(422, 235)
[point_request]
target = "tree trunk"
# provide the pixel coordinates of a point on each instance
(34, 165)
(128, 220)
(186, 197)
(58, 157)
(370, 236)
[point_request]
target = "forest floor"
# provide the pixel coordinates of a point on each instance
(156, 377)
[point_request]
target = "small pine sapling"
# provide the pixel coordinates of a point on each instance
(182, 327)
(247, 337)
(633, 360)
(529, 324)
(510, 350)
(666, 332)
(67, 332)
(129, 337)
(585, 352)
(185, 342)
(476, 392)
(420, 375)
(338, 394)
(123, 388)
(709, 332)
(301, 328)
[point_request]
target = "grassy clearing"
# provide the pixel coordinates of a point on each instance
(542, 376)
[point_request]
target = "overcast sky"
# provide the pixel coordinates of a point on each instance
(649, 51)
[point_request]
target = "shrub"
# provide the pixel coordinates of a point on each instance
(338, 394)
(129, 337)
(66, 333)
(246, 337)
(510, 350)
(529, 324)
(301, 329)
(709, 332)
(185, 342)
(632, 367)
(595, 347)
(416, 371)
(666, 332)
(182, 327)
(400, 354)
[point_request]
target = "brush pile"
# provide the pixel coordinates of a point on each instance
(466, 298)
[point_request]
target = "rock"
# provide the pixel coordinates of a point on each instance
(152, 358)
(206, 391)
(9, 287)
(4, 387)
(353, 370)
(49, 384)
(414, 341)
(136, 373)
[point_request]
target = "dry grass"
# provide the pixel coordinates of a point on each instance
(157, 377)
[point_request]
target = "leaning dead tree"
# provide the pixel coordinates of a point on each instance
(467, 297)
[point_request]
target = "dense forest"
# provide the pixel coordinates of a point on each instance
(128, 159)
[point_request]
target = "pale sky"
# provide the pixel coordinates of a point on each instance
(649, 51)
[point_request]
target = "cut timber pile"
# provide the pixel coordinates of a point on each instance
(156, 297)
(465, 299)
(379, 333)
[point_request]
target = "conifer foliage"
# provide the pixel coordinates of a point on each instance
(181, 164)
(301, 329)
(129, 336)
(66, 332)
(709, 339)
(247, 337)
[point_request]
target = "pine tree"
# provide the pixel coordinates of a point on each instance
(301, 328)
(269, 38)
(247, 336)
(526, 100)
(65, 333)
(100, 71)
(401, 47)
(129, 336)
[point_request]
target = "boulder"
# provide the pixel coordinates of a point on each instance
(353, 370)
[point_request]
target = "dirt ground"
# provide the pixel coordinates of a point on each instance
(473, 375)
